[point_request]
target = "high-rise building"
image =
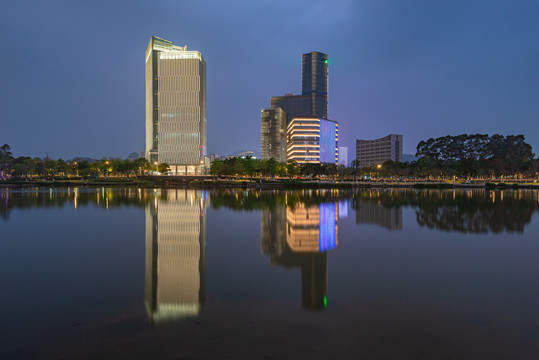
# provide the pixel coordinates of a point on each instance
(175, 107)
(175, 254)
(376, 152)
(313, 101)
(313, 140)
(314, 82)
(274, 134)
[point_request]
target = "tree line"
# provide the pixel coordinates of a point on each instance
(28, 167)
(446, 157)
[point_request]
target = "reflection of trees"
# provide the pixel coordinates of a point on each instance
(76, 197)
(448, 210)
(251, 200)
(476, 211)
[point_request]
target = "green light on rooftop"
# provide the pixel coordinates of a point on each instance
(325, 301)
(326, 61)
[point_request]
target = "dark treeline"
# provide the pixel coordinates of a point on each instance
(255, 167)
(475, 155)
(27, 167)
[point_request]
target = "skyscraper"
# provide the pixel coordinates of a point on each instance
(274, 134)
(313, 101)
(175, 107)
(314, 82)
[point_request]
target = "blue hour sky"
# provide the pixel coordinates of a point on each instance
(72, 78)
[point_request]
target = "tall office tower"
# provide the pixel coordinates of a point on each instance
(313, 100)
(175, 107)
(314, 82)
(274, 134)
(313, 140)
(376, 152)
(175, 254)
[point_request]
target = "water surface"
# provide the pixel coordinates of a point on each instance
(187, 274)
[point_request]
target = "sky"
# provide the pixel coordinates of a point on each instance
(72, 78)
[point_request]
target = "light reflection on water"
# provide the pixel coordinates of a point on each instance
(193, 240)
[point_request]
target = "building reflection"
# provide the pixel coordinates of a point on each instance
(369, 212)
(300, 237)
(175, 254)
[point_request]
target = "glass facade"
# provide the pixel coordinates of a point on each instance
(314, 82)
(293, 105)
(313, 140)
(273, 123)
(175, 107)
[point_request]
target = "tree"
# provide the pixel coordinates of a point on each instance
(163, 168)
(292, 169)
(6, 160)
(217, 167)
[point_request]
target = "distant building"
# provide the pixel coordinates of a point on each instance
(245, 153)
(376, 152)
(213, 157)
(273, 134)
(175, 107)
(313, 140)
(343, 155)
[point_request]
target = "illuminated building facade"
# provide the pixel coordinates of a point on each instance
(274, 134)
(313, 140)
(175, 107)
(376, 152)
(313, 101)
(175, 254)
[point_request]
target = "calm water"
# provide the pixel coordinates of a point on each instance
(185, 274)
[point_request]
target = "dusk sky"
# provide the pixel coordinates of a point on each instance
(72, 78)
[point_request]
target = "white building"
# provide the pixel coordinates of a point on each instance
(175, 107)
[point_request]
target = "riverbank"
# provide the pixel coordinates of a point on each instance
(200, 182)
